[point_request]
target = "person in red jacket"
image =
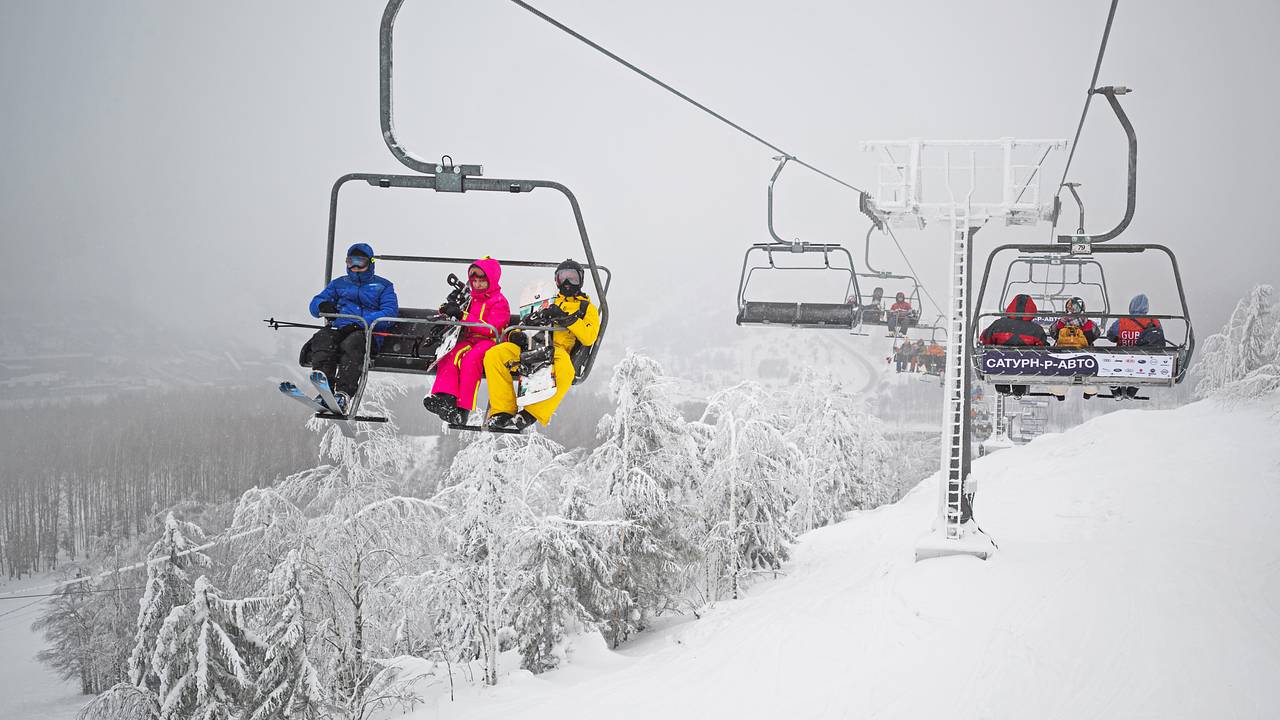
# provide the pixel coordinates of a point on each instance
(899, 313)
(1016, 329)
(1135, 331)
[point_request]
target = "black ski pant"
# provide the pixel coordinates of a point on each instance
(340, 356)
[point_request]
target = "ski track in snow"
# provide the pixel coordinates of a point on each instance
(1137, 578)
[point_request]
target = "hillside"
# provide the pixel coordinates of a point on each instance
(1138, 577)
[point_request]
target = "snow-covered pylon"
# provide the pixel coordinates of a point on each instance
(288, 686)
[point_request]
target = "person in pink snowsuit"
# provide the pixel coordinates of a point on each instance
(458, 373)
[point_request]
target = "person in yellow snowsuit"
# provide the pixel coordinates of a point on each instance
(571, 310)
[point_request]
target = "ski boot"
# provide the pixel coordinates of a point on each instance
(521, 421)
(440, 404)
(499, 421)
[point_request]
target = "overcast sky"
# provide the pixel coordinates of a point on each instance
(175, 158)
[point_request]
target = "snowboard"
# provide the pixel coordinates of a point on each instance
(541, 385)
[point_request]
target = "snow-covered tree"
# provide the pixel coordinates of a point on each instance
(71, 628)
(361, 470)
(1243, 360)
(648, 460)
(843, 456)
(564, 570)
(288, 687)
(206, 658)
(742, 502)
(168, 586)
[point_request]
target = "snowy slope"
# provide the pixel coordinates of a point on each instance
(1139, 577)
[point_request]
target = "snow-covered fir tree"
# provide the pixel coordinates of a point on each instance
(1243, 360)
(496, 485)
(206, 657)
(169, 585)
(359, 471)
(742, 502)
(648, 460)
(563, 576)
(843, 456)
(288, 687)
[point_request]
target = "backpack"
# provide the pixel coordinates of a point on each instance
(1072, 336)
(1151, 334)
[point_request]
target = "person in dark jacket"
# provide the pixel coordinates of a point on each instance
(1016, 329)
(1135, 331)
(338, 349)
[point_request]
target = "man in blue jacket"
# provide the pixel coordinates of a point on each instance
(338, 350)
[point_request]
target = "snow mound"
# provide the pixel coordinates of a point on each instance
(1138, 576)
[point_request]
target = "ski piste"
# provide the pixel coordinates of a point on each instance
(293, 391)
(326, 393)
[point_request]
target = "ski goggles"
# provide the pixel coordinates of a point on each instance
(569, 275)
(357, 261)
(476, 273)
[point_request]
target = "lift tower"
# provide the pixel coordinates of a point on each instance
(965, 184)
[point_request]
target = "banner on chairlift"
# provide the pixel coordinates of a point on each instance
(1045, 363)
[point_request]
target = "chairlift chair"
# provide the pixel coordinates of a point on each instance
(1097, 365)
(401, 349)
(1040, 368)
(839, 314)
(873, 309)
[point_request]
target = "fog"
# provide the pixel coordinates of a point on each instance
(171, 163)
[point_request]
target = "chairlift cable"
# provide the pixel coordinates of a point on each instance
(648, 76)
(907, 260)
(1088, 98)
(78, 592)
(631, 66)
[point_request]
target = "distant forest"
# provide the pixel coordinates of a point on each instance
(74, 471)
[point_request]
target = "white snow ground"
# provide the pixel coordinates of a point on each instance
(1138, 577)
(28, 688)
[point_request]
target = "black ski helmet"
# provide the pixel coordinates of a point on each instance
(567, 285)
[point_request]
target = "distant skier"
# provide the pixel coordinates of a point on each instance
(899, 314)
(453, 395)
(935, 357)
(1135, 331)
(338, 349)
(1016, 329)
(901, 357)
(571, 310)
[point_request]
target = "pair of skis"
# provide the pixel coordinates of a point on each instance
(326, 404)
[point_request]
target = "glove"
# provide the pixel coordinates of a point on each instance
(328, 307)
(519, 338)
(555, 315)
(451, 309)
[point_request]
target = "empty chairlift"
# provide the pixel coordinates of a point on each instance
(782, 257)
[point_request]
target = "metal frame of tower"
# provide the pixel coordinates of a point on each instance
(901, 200)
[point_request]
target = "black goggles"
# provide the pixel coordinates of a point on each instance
(570, 276)
(357, 260)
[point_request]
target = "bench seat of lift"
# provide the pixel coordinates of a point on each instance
(803, 315)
